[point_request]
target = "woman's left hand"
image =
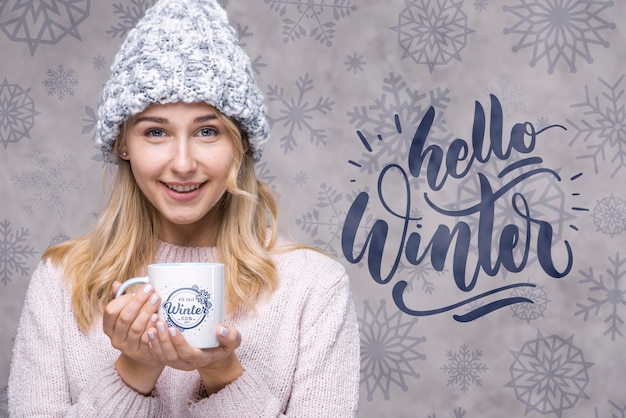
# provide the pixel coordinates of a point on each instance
(217, 366)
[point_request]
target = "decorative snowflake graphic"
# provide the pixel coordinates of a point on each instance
(325, 222)
(603, 126)
(57, 239)
(432, 32)
(614, 406)
(612, 295)
(609, 216)
(99, 62)
(128, 15)
(60, 82)
(42, 22)
(171, 324)
(264, 173)
(203, 295)
(549, 375)
(257, 63)
(480, 5)
(541, 123)
(420, 273)
(399, 108)
(510, 95)
(464, 368)
(314, 18)
(49, 183)
(297, 113)
(388, 350)
(529, 311)
(559, 30)
(14, 252)
(91, 120)
(355, 63)
(17, 113)
(301, 178)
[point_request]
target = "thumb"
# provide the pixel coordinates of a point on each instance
(228, 337)
(116, 285)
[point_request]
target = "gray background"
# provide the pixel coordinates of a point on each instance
(330, 68)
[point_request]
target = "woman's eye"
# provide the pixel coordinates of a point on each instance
(206, 132)
(155, 133)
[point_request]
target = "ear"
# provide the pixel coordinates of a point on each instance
(123, 153)
(246, 144)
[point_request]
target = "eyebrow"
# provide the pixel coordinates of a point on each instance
(156, 119)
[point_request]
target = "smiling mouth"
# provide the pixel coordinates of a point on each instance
(183, 189)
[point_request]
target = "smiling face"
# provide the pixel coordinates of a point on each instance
(180, 155)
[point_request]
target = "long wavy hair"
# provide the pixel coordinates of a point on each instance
(124, 239)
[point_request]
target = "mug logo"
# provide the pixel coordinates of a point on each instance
(187, 307)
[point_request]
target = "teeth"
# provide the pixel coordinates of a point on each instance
(183, 189)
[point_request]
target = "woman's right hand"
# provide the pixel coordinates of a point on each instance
(125, 322)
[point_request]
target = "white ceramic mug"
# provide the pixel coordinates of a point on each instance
(192, 298)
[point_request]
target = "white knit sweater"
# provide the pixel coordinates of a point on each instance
(300, 352)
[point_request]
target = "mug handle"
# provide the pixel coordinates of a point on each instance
(128, 283)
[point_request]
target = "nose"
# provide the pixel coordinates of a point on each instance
(183, 161)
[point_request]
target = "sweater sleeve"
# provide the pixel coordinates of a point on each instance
(326, 379)
(39, 384)
(327, 376)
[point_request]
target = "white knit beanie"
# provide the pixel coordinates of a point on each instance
(182, 50)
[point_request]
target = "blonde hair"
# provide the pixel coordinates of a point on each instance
(125, 237)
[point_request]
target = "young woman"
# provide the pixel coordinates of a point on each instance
(184, 121)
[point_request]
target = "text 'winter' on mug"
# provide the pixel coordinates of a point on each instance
(192, 298)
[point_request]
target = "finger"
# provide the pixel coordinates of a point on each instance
(154, 344)
(228, 337)
(111, 313)
(134, 313)
(116, 285)
(184, 351)
(146, 317)
(165, 336)
(150, 333)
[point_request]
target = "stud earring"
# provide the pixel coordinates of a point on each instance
(124, 154)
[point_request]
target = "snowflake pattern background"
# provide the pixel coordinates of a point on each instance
(608, 296)
(17, 113)
(378, 120)
(609, 215)
(296, 113)
(549, 375)
(128, 15)
(464, 368)
(346, 84)
(36, 22)
(388, 350)
(355, 63)
(315, 19)
(560, 30)
(15, 252)
(60, 82)
(603, 125)
(50, 182)
(530, 311)
(432, 32)
(617, 411)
